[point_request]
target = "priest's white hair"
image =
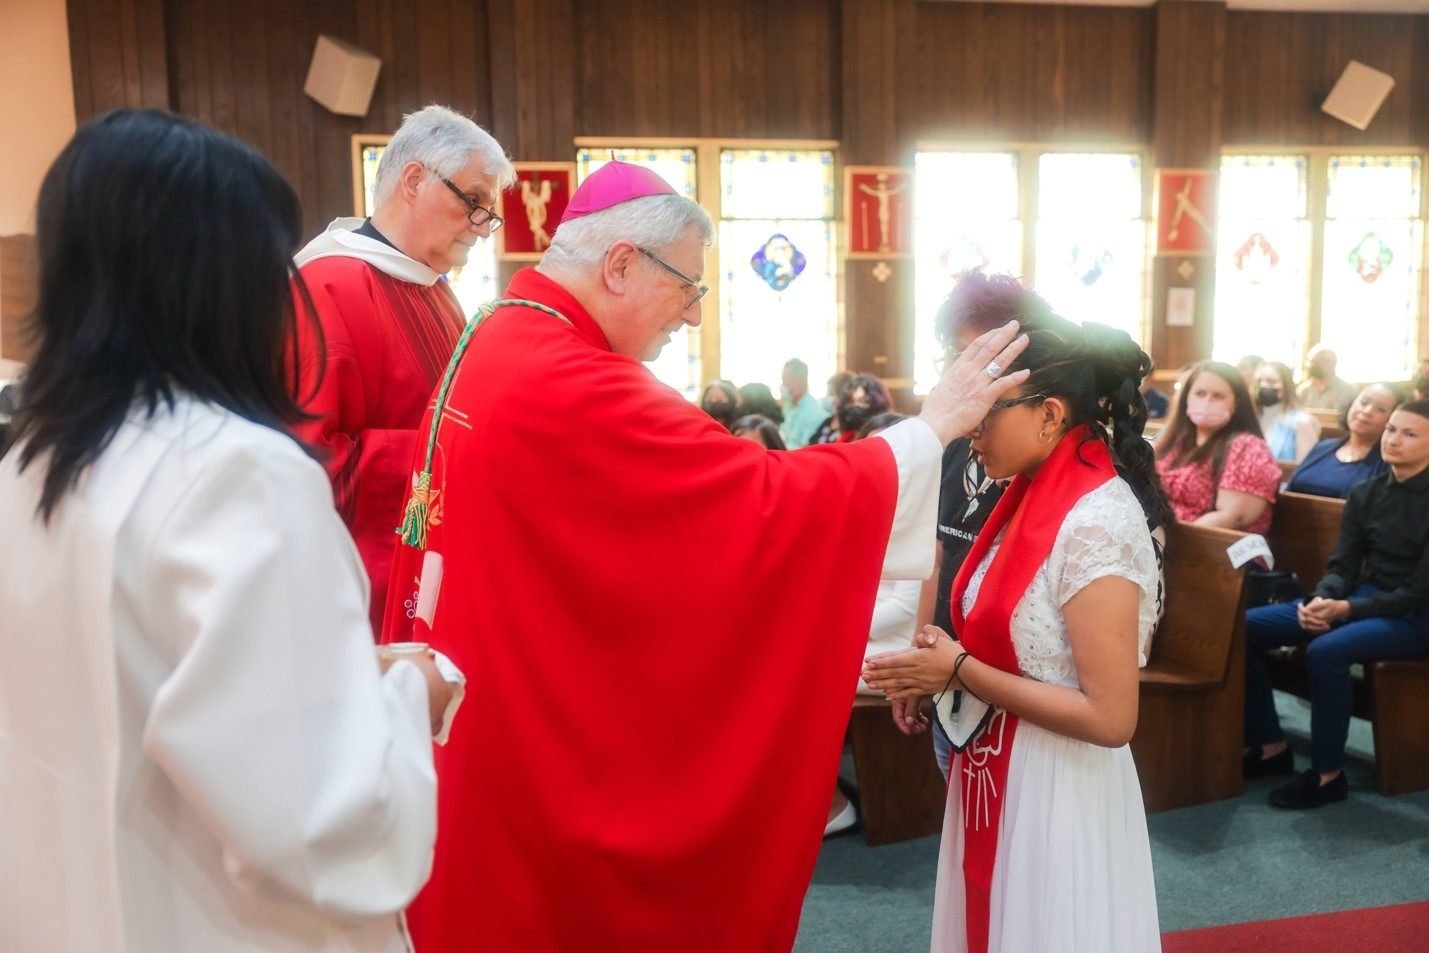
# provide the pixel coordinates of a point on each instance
(653, 222)
(444, 141)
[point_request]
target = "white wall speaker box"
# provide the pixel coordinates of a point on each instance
(1358, 94)
(342, 76)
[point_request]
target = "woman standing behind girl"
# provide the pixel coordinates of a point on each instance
(1045, 844)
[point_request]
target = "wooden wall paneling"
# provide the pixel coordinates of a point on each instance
(1281, 66)
(1190, 71)
(772, 69)
(1030, 73)
(19, 287)
(240, 66)
(1419, 93)
(533, 77)
(658, 93)
(876, 37)
(118, 55)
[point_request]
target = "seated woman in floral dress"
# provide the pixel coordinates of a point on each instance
(1215, 465)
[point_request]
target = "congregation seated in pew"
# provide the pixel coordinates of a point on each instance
(1371, 604)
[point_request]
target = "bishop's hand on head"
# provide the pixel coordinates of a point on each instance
(973, 383)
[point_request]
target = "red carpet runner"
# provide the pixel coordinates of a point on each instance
(1403, 928)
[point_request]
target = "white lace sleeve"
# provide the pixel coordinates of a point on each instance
(1105, 534)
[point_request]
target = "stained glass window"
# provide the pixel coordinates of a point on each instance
(1371, 271)
(966, 218)
(679, 362)
(1091, 238)
(778, 264)
(473, 283)
(1263, 250)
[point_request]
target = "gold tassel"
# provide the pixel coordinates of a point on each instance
(414, 520)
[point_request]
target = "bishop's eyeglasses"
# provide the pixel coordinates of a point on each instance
(699, 289)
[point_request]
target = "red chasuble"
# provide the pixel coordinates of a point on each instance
(662, 626)
(1032, 513)
(387, 343)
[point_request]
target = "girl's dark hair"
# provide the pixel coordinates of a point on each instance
(165, 256)
(878, 400)
(767, 430)
(759, 399)
(1097, 371)
(880, 422)
(726, 387)
(1180, 433)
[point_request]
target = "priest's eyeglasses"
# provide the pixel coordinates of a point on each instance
(475, 213)
(686, 280)
(1003, 405)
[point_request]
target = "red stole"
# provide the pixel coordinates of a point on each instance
(654, 647)
(1074, 469)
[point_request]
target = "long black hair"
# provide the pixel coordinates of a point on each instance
(165, 254)
(1097, 371)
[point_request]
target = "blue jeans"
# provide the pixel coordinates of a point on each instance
(1328, 661)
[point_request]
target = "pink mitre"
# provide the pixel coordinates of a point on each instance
(611, 184)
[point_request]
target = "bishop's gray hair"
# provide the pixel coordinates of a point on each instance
(653, 222)
(444, 141)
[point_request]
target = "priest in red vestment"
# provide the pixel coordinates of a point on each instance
(389, 320)
(663, 624)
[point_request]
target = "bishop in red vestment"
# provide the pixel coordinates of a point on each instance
(389, 321)
(662, 623)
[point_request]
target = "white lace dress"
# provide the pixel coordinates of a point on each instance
(1073, 868)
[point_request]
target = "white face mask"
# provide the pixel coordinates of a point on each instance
(1208, 415)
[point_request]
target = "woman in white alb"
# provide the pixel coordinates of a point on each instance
(198, 749)
(1044, 844)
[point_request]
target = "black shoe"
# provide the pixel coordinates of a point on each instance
(1306, 792)
(1254, 766)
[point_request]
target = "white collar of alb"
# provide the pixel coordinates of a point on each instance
(341, 239)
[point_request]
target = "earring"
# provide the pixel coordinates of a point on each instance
(1044, 437)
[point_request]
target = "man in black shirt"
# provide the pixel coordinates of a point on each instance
(1372, 604)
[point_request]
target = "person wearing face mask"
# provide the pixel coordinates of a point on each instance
(721, 401)
(828, 430)
(1216, 467)
(1339, 463)
(863, 397)
(1290, 431)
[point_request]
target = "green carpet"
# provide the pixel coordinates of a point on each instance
(1227, 862)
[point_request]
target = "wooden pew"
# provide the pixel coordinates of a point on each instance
(901, 792)
(1392, 695)
(1329, 422)
(1188, 739)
